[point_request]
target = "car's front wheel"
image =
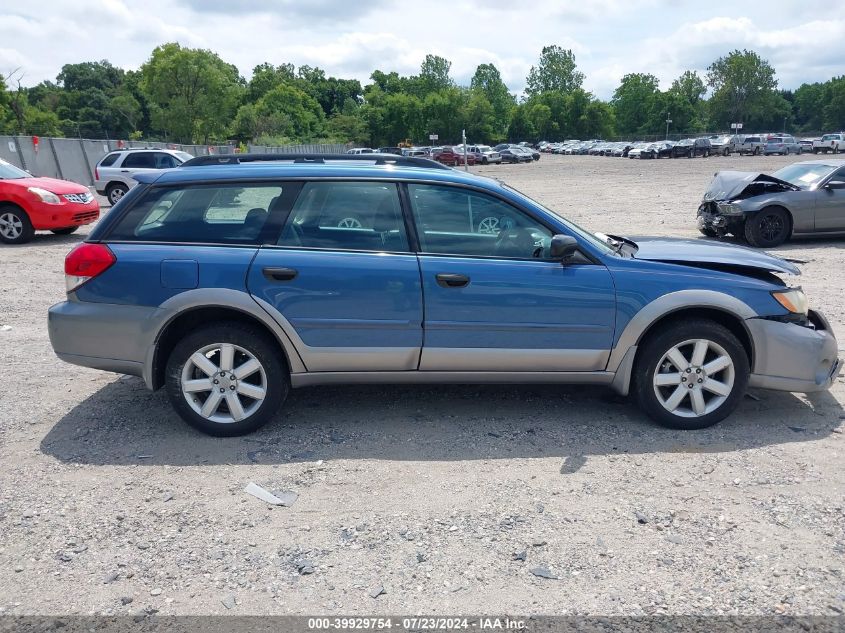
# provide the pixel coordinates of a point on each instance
(15, 227)
(768, 228)
(691, 374)
(227, 379)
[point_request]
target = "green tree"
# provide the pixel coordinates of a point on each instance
(633, 100)
(556, 70)
(520, 128)
(689, 86)
(288, 111)
(742, 84)
(265, 77)
(434, 75)
(192, 93)
(479, 118)
(488, 82)
(834, 108)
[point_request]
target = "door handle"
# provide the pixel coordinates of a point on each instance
(280, 274)
(449, 280)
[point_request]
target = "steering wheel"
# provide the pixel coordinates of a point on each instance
(518, 242)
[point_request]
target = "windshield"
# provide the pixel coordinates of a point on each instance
(185, 156)
(597, 242)
(804, 175)
(10, 172)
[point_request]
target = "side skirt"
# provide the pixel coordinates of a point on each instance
(451, 377)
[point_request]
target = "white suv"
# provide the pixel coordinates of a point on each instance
(113, 175)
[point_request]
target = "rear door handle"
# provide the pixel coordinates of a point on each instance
(280, 274)
(449, 280)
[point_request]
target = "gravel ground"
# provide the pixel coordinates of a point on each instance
(422, 499)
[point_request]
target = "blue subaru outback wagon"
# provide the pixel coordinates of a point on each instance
(230, 280)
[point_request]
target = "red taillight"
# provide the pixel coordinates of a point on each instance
(97, 173)
(85, 262)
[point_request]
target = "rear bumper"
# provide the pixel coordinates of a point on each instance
(793, 357)
(105, 336)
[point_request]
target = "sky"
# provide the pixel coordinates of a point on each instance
(804, 41)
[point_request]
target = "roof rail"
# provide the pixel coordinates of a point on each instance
(315, 159)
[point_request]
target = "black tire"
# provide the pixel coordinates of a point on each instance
(115, 191)
(725, 152)
(65, 231)
(767, 228)
(257, 343)
(836, 149)
(651, 353)
(16, 227)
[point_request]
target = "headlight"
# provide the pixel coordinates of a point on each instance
(793, 300)
(729, 208)
(46, 196)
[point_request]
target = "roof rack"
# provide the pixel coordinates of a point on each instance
(315, 159)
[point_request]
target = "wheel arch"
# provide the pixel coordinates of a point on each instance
(192, 316)
(677, 306)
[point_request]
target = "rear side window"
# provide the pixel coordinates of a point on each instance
(362, 216)
(234, 213)
(139, 160)
(108, 161)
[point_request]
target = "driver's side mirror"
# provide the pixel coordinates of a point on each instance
(835, 184)
(563, 247)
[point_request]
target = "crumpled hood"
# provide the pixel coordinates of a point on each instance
(727, 185)
(697, 251)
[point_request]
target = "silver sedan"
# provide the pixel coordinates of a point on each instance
(766, 210)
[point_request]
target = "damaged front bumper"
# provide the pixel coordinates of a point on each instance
(792, 357)
(711, 217)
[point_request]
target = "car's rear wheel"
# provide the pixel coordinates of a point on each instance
(769, 227)
(15, 227)
(226, 379)
(64, 231)
(691, 374)
(115, 192)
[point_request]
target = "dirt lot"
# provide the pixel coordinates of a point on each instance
(109, 504)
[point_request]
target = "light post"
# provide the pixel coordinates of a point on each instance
(668, 121)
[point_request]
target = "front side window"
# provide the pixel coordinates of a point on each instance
(347, 216)
(228, 214)
(457, 221)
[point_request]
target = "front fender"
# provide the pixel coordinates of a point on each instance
(621, 360)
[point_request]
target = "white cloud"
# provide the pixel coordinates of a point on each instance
(351, 39)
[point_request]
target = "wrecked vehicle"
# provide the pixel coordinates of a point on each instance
(800, 199)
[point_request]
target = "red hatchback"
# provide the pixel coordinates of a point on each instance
(29, 204)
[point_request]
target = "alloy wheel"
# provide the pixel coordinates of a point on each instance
(771, 227)
(350, 223)
(11, 226)
(694, 378)
(489, 225)
(224, 383)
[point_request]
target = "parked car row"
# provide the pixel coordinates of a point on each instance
(722, 145)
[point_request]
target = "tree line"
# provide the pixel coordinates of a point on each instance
(187, 95)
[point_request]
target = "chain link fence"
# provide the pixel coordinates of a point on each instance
(75, 158)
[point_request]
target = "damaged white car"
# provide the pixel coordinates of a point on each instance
(766, 210)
